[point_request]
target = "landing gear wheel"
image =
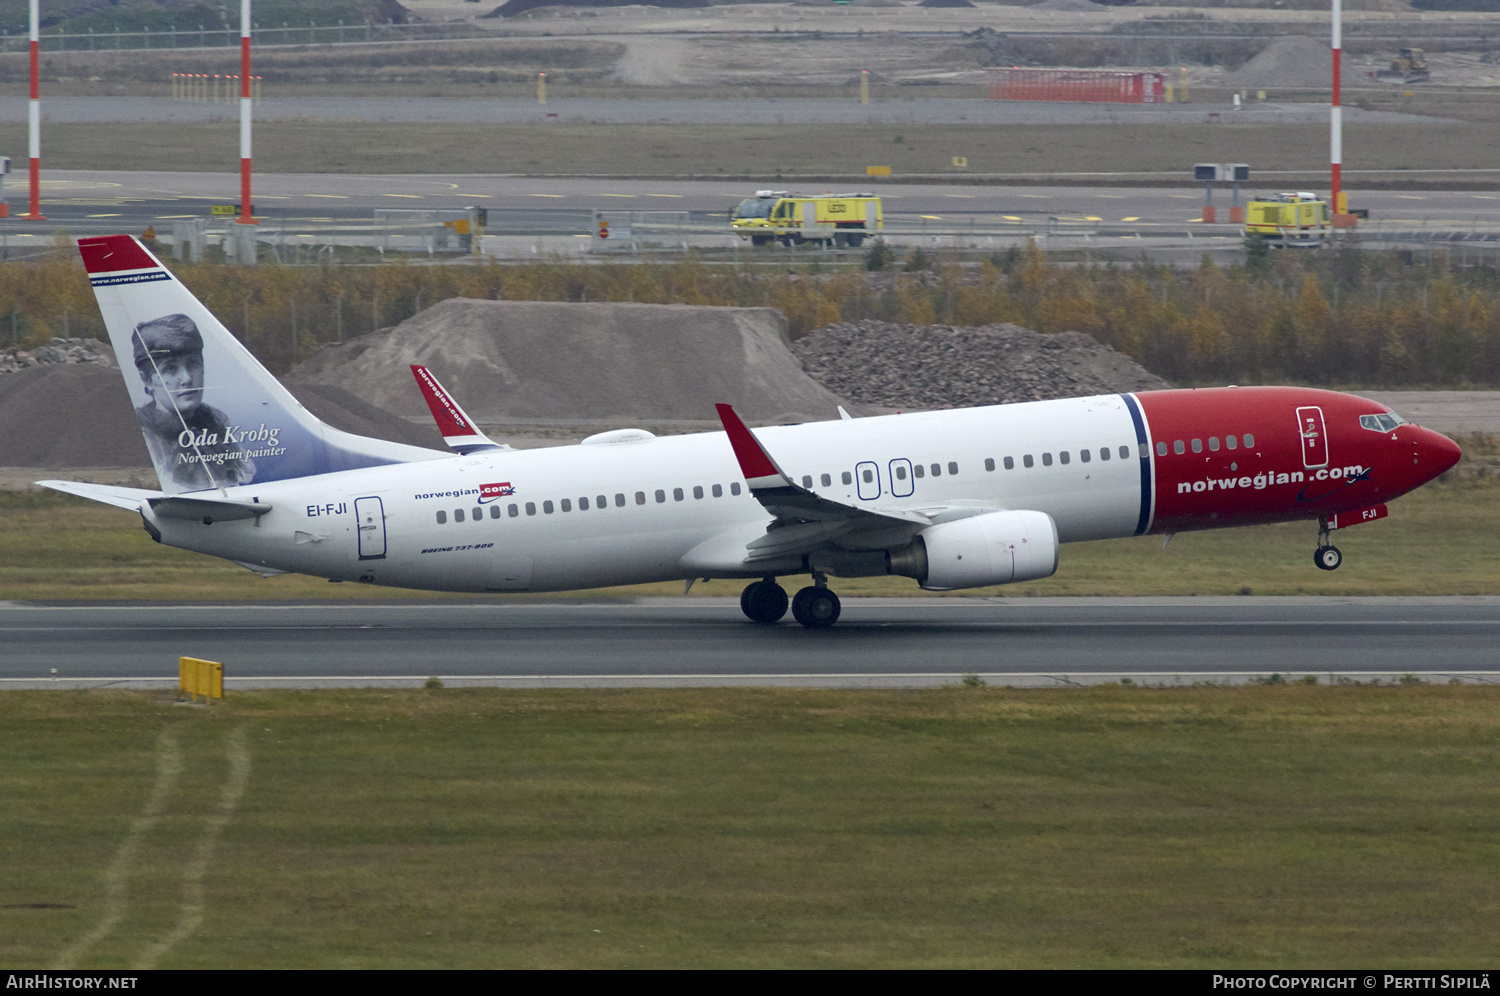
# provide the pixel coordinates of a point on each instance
(763, 602)
(1328, 558)
(816, 608)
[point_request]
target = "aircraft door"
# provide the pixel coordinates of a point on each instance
(369, 513)
(901, 479)
(867, 476)
(1314, 437)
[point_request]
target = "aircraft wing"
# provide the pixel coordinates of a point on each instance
(459, 431)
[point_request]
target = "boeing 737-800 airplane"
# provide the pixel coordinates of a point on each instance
(954, 499)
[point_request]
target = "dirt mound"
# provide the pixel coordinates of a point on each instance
(1296, 61)
(541, 359)
(942, 366)
(1066, 6)
(79, 415)
(67, 351)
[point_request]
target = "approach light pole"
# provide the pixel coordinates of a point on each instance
(245, 102)
(34, 116)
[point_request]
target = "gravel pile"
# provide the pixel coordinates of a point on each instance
(942, 366)
(66, 351)
(1295, 61)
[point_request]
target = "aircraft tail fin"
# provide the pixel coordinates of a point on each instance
(212, 415)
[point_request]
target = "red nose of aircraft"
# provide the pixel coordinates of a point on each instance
(1433, 453)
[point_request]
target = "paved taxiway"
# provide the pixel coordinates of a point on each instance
(707, 641)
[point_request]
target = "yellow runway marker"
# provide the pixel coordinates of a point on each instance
(1111, 197)
(617, 195)
(666, 195)
(933, 217)
(559, 196)
(1131, 218)
(174, 217)
(961, 197)
(104, 216)
(461, 193)
(1409, 197)
(337, 197)
(1011, 217)
(415, 197)
(1090, 217)
(1487, 197)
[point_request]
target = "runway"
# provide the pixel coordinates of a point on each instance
(705, 641)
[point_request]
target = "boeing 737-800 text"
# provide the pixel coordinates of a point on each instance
(954, 499)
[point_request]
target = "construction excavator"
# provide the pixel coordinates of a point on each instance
(1409, 67)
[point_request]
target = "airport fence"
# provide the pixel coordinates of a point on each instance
(227, 36)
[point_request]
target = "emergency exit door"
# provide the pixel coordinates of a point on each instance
(1314, 437)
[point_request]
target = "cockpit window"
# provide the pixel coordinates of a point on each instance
(1381, 423)
(756, 207)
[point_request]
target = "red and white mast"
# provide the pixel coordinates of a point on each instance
(245, 214)
(34, 116)
(1336, 117)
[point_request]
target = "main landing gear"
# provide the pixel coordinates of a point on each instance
(815, 606)
(1326, 556)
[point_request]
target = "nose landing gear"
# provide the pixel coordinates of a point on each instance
(1327, 557)
(815, 606)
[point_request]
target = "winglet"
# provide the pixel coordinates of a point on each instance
(756, 464)
(459, 431)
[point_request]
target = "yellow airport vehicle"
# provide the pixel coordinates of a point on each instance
(794, 219)
(1296, 220)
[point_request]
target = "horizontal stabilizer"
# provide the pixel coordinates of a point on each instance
(459, 431)
(130, 498)
(207, 509)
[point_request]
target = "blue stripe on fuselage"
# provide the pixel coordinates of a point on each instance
(1145, 452)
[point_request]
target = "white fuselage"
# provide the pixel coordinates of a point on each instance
(673, 507)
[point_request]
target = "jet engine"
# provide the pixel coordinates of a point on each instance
(994, 548)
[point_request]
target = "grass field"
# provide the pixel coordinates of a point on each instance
(759, 150)
(1274, 826)
(1439, 540)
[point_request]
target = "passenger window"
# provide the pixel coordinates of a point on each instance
(458, 515)
(442, 517)
(1249, 440)
(807, 480)
(1084, 455)
(1062, 458)
(952, 468)
(989, 463)
(1178, 448)
(1103, 452)
(1161, 450)
(478, 515)
(1046, 459)
(869, 476)
(547, 507)
(1010, 463)
(848, 478)
(734, 488)
(937, 470)
(494, 511)
(918, 472)
(640, 497)
(531, 508)
(1125, 451)
(1232, 442)
(600, 502)
(900, 472)
(697, 491)
(661, 496)
(827, 481)
(1197, 446)
(1213, 444)
(1027, 461)
(583, 505)
(567, 505)
(718, 491)
(513, 510)
(677, 494)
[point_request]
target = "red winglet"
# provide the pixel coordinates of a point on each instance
(451, 419)
(755, 463)
(459, 431)
(107, 253)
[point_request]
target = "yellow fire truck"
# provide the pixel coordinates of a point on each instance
(1298, 220)
(792, 219)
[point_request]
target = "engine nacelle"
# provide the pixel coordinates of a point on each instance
(994, 548)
